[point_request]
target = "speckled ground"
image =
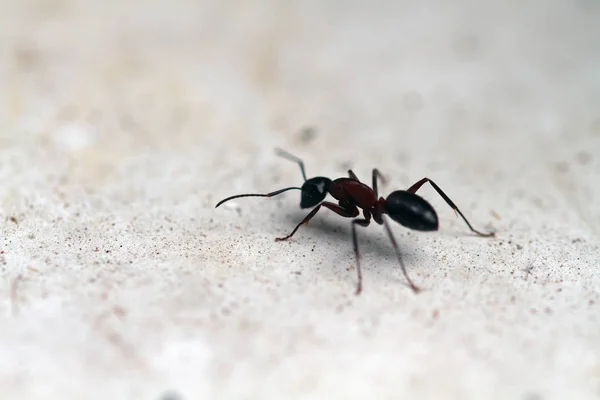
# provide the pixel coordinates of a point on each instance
(123, 123)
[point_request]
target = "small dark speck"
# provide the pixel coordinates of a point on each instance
(170, 395)
(562, 167)
(583, 157)
(297, 272)
(519, 247)
(345, 165)
(308, 134)
(13, 219)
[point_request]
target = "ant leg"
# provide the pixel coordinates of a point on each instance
(377, 174)
(417, 186)
(344, 212)
(365, 223)
(410, 282)
(275, 193)
(304, 221)
(352, 175)
(288, 156)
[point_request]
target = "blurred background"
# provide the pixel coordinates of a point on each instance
(122, 123)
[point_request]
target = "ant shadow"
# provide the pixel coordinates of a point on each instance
(338, 233)
(373, 248)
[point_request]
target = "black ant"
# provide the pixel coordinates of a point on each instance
(403, 206)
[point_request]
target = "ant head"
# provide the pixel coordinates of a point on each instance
(314, 191)
(411, 211)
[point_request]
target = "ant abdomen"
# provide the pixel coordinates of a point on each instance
(411, 211)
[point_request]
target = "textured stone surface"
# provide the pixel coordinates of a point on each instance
(122, 123)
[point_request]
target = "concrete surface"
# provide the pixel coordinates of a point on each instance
(124, 122)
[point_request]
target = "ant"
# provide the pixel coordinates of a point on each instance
(403, 206)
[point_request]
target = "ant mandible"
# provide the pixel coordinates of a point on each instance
(403, 206)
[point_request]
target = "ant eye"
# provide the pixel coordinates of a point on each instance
(314, 191)
(320, 187)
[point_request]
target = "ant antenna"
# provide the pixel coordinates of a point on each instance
(275, 193)
(290, 157)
